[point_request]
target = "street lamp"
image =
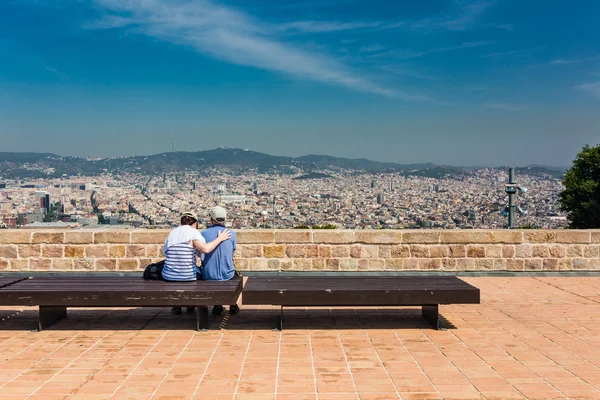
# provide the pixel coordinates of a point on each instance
(263, 214)
(512, 189)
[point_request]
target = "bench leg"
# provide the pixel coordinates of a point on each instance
(279, 321)
(202, 318)
(48, 315)
(431, 314)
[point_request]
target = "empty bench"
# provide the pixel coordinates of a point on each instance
(356, 291)
(53, 295)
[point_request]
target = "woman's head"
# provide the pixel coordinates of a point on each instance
(189, 218)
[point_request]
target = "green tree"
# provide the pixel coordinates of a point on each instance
(581, 197)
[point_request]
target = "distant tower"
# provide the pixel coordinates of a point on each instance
(380, 198)
(194, 185)
(373, 184)
(390, 187)
(255, 187)
(173, 143)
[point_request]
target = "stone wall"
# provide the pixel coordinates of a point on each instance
(314, 250)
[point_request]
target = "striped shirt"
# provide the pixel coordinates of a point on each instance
(180, 257)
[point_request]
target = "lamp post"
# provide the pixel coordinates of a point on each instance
(274, 211)
(511, 189)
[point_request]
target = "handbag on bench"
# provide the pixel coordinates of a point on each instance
(153, 272)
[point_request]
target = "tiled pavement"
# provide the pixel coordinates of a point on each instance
(532, 337)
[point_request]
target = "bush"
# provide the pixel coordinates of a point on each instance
(581, 197)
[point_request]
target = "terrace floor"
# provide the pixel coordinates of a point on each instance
(532, 337)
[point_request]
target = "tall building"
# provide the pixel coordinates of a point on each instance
(380, 198)
(194, 185)
(373, 184)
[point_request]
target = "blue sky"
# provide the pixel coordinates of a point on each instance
(462, 82)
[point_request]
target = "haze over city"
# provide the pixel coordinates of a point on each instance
(445, 81)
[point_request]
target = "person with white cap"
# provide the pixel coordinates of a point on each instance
(182, 246)
(217, 265)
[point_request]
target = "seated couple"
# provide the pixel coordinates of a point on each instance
(215, 245)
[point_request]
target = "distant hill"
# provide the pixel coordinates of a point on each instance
(313, 175)
(228, 160)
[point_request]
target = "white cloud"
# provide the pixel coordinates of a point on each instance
(510, 53)
(591, 87)
(573, 61)
(323, 26)
(505, 107)
(231, 36)
(372, 48)
(406, 54)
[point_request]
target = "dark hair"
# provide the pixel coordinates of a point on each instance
(187, 220)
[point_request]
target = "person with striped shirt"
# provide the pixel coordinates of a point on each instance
(181, 248)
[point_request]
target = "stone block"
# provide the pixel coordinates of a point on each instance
(493, 251)
(363, 264)
(40, 264)
(18, 265)
(8, 251)
(48, 237)
(72, 251)
(422, 237)
(557, 251)
(251, 250)
(318, 264)
(349, 264)
(241, 264)
(484, 264)
(385, 252)
(523, 251)
(533, 264)
(4, 265)
(540, 251)
(419, 251)
(256, 236)
(539, 236)
(508, 251)
(591, 251)
(302, 264)
(14, 236)
(152, 250)
(30, 251)
(474, 251)
(595, 236)
(457, 251)
(332, 264)
(62, 264)
(52, 251)
(84, 264)
(550, 264)
(258, 264)
(128, 264)
(356, 251)
(294, 236)
(312, 251)
(448, 264)
(116, 237)
(341, 251)
(439, 251)
(105, 264)
(581, 264)
(565, 264)
(324, 251)
(333, 236)
(117, 251)
(430, 264)
(286, 265)
(376, 264)
(274, 265)
(410, 264)
(96, 251)
(515, 264)
(465, 264)
(135, 251)
(507, 237)
(401, 251)
(394, 264)
(369, 251)
(274, 251)
(79, 237)
(575, 251)
(466, 237)
(379, 236)
(295, 251)
(573, 236)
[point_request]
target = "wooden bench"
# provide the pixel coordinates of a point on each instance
(355, 291)
(54, 294)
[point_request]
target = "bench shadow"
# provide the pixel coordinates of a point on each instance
(248, 319)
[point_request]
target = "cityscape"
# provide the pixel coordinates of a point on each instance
(332, 197)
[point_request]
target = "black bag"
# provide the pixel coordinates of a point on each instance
(153, 272)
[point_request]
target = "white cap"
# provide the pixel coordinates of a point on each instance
(218, 213)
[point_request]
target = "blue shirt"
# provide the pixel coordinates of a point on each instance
(218, 264)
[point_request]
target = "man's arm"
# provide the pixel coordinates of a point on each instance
(210, 246)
